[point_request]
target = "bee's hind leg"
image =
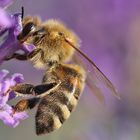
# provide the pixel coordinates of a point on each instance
(27, 89)
(25, 104)
(24, 89)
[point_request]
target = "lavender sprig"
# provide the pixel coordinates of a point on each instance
(6, 111)
(12, 24)
(10, 27)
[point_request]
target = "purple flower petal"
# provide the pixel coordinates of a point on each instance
(5, 84)
(17, 23)
(17, 117)
(20, 116)
(5, 3)
(11, 44)
(12, 95)
(8, 108)
(16, 78)
(10, 119)
(4, 87)
(3, 74)
(5, 20)
(7, 118)
(3, 100)
(5, 115)
(28, 47)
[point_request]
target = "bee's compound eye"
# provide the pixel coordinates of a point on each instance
(29, 27)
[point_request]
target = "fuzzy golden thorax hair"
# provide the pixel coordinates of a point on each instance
(53, 44)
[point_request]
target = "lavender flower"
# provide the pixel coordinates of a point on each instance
(4, 16)
(5, 22)
(12, 26)
(10, 119)
(6, 111)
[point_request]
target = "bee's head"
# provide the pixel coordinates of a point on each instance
(31, 30)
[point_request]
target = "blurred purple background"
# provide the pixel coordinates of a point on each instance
(110, 34)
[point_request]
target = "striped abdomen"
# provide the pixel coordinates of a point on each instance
(57, 106)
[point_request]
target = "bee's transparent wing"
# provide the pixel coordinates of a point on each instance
(96, 80)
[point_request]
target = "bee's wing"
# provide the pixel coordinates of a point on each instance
(96, 79)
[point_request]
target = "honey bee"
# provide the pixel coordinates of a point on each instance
(62, 84)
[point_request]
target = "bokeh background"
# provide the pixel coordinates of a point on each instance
(110, 34)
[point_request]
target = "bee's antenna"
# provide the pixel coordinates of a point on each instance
(22, 12)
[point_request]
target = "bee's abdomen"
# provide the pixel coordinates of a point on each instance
(53, 110)
(57, 106)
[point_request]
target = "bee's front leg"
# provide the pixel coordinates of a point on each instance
(23, 57)
(17, 56)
